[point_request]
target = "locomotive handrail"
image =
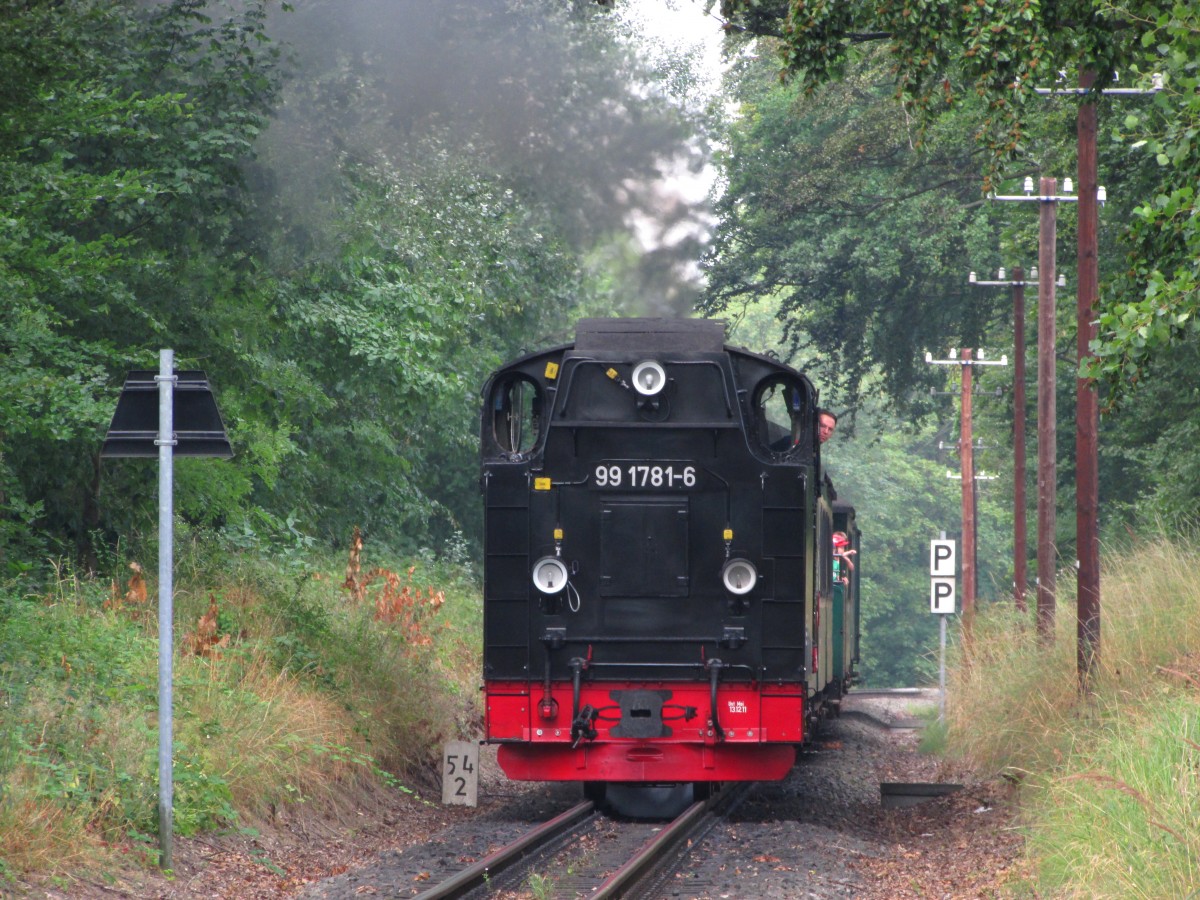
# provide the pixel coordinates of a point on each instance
(609, 423)
(670, 665)
(640, 639)
(714, 667)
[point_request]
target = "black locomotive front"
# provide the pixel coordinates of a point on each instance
(656, 559)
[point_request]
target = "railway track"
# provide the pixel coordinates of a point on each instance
(581, 853)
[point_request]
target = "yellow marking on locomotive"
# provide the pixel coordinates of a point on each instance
(612, 373)
(558, 534)
(729, 534)
(541, 484)
(551, 371)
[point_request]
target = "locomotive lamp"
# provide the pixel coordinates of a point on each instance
(739, 576)
(649, 378)
(550, 575)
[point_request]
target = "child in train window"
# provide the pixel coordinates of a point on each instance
(843, 565)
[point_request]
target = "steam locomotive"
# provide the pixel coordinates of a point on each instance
(661, 605)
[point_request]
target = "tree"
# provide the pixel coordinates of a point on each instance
(442, 268)
(942, 52)
(124, 128)
(443, 186)
(553, 95)
(1155, 304)
(859, 239)
(428, 199)
(999, 52)
(1148, 268)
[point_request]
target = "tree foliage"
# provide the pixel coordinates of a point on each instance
(441, 268)
(941, 53)
(1145, 356)
(347, 235)
(1156, 302)
(443, 186)
(123, 131)
(1000, 53)
(551, 95)
(828, 211)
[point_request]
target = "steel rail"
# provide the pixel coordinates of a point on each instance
(474, 875)
(650, 853)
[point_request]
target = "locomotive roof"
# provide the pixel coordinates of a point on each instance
(650, 334)
(658, 334)
(623, 335)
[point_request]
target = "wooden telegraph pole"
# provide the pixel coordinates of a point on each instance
(1020, 568)
(1047, 412)
(1087, 417)
(966, 360)
(1087, 414)
(966, 451)
(1020, 563)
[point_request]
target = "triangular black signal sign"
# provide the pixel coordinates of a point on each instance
(198, 428)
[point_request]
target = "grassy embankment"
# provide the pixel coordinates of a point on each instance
(1111, 777)
(291, 685)
(306, 688)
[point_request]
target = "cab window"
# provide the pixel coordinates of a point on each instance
(515, 407)
(781, 411)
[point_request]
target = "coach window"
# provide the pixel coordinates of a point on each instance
(516, 410)
(780, 411)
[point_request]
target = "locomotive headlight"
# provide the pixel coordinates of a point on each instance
(549, 575)
(739, 576)
(649, 378)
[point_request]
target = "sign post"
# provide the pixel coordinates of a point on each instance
(942, 554)
(166, 599)
(166, 414)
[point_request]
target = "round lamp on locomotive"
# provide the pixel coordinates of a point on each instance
(549, 575)
(739, 576)
(649, 378)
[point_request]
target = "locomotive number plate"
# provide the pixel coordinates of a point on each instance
(636, 475)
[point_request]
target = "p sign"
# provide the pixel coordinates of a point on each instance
(941, 595)
(942, 562)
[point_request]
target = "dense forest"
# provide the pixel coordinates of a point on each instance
(347, 213)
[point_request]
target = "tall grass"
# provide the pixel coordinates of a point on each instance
(1112, 796)
(287, 689)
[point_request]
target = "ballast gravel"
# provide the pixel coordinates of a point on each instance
(820, 833)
